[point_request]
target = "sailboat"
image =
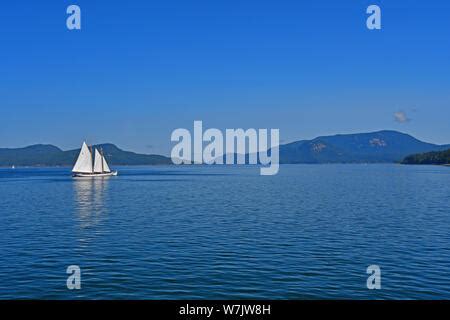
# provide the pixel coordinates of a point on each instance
(85, 167)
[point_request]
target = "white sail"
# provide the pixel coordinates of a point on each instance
(84, 161)
(105, 165)
(98, 162)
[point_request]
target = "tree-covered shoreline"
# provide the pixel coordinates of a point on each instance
(435, 157)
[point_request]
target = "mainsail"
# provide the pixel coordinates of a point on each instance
(84, 161)
(98, 162)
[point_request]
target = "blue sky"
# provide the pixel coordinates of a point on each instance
(139, 69)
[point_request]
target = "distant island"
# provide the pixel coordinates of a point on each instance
(374, 147)
(385, 146)
(437, 157)
(51, 156)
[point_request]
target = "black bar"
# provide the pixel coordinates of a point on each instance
(198, 309)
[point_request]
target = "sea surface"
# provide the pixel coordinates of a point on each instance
(225, 232)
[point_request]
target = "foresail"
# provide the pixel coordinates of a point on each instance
(84, 161)
(105, 165)
(98, 165)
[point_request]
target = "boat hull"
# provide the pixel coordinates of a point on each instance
(94, 175)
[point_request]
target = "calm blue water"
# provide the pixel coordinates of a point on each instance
(224, 232)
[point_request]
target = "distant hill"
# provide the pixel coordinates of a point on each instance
(49, 155)
(381, 146)
(374, 147)
(439, 157)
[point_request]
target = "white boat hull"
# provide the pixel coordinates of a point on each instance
(94, 175)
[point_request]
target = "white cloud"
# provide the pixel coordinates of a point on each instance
(401, 117)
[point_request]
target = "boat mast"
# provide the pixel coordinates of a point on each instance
(92, 159)
(101, 153)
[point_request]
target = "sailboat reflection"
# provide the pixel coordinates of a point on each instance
(90, 198)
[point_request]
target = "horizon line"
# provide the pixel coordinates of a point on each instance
(281, 144)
